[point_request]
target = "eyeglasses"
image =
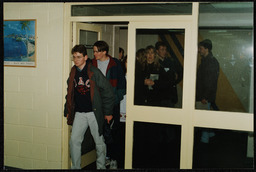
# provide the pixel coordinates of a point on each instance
(97, 51)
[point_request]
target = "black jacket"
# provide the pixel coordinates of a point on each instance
(172, 68)
(207, 78)
(153, 96)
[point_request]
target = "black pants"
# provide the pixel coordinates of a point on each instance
(113, 149)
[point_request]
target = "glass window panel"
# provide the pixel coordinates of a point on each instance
(159, 67)
(225, 82)
(132, 9)
(156, 145)
(226, 7)
(88, 38)
(215, 148)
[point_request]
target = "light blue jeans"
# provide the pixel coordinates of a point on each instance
(202, 106)
(81, 123)
(205, 134)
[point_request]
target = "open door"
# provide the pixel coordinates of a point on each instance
(86, 34)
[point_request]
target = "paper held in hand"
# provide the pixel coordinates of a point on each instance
(153, 77)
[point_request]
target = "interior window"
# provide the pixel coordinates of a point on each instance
(225, 57)
(132, 9)
(159, 67)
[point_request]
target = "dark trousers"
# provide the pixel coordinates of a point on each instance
(167, 103)
(122, 144)
(113, 149)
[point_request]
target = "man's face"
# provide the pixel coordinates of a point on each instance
(162, 51)
(98, 54)
(120, 55)
(203, 51)
(79, 59)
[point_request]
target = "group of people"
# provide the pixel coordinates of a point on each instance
(96, 94)
(156, 76)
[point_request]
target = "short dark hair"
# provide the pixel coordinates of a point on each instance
(160, 43)
(207, 43)
(140, 52)
(102, 46)
(149, 48)
(79, 48)
(121, 50)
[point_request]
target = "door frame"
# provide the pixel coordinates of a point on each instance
(176, 116)
(189, 116)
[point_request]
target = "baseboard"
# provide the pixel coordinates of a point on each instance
(10, 168)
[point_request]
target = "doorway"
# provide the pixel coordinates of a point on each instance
(112, 33)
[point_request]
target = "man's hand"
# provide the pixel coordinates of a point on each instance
(149, 82)
(204, 101)
(108, 118)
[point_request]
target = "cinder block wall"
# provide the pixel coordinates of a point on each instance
(33, 96)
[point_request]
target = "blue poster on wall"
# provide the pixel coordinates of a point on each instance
(20, 43)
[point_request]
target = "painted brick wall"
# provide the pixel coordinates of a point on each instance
(33, 96)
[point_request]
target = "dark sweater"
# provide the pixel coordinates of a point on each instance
(153, 96)
(82, 91)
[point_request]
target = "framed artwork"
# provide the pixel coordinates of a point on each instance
(20, 43)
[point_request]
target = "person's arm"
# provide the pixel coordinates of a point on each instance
(121, 82)
(211, 81)
(69, 113)
(65, 105)
(107, 95)
(178, 71)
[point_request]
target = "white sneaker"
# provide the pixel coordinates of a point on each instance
(107, 162)
(113, 164)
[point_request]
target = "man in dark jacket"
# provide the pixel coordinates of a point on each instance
(90, 100)
(207, 76)
(206, 82)
(112, 69)
(173, 72)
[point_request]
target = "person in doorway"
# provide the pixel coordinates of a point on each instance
(207, 76)
(140, 57)
(139, 86)
(89, 101)
(112, 70)
(121, 54)
(206, 82)
(174, 74)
